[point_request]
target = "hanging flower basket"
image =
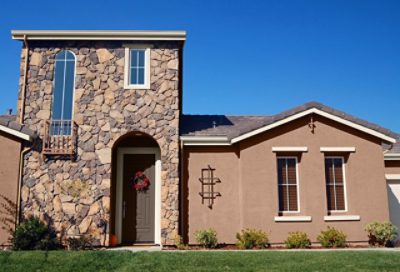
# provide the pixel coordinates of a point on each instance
(140, 182)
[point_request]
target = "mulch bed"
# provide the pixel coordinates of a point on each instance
(234, 247)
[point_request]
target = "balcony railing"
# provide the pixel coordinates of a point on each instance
(60, 138)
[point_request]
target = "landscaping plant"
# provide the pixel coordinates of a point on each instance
(298, 239)
(252, 238)
(80, 243)
(34, 234)
(179, 243)
(332, 238)
(207, 238)
(381, 233)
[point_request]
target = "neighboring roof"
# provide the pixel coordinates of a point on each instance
(392, 151)
(10, 126)
(133, 35)
(237, 128)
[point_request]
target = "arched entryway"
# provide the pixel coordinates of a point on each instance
(136, 213)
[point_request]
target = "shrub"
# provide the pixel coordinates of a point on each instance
(178, 240)
(80, 243)
(298, 239)
(34, 234)
(332, 238)
(381, 233)
(252, 238)
(207, 238)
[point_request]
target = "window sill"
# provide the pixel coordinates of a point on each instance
(342, 218)
(136, 87)
(292, 218)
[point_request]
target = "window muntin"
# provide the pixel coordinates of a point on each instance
(288, 184)
(64, 77)
(335, 185)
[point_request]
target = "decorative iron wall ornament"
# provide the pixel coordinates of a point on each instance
(208, 181)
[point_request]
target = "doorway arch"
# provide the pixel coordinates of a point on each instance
(137, 215)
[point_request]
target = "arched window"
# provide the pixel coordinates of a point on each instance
(64, 74)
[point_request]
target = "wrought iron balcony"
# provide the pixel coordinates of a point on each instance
(60, 138)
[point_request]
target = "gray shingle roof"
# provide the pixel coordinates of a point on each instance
(234, 126)
(9, 121)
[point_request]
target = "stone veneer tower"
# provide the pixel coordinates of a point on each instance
(76, 196)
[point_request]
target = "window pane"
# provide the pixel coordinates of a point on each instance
(141, 76)
(283, 204)
(134, 76)
(58, 89)
(61, 56)
(340, 197)
(281, 171)
(69, 89)
(141, 58)
(330, 193)
(328, 171)
(291, 170)
(134, 58)
(292, 198)
(338, 164)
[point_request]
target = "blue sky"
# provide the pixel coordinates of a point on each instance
(247, 57)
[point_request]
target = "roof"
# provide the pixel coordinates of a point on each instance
(393, 149)
(10, 126)
(237, 128)
(134, 35)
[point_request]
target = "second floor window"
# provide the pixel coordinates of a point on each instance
(335, 185)
(63, 92)
(137, 68)
(288, 184)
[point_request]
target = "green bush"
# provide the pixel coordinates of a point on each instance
(332, 238)
(381, 233)
(34, 234)
(252, 238)
(298, 239)
(80, 243)
(207, 238)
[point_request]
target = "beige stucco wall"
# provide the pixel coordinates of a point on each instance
(249, 175)
(9, 166)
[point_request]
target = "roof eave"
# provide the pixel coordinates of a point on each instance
(16, 133)
(99, 35)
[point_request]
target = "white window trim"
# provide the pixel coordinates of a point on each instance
(342, 218)
(292, 218)
(289, 149)
(344, 184)
(119, 194)
(338, 149)
(297, 183)
(147, 52)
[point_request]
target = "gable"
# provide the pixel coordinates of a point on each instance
(210, 130)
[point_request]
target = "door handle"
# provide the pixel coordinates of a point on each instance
(123, 209)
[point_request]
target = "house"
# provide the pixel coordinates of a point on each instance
(14, 137)
(111, 154)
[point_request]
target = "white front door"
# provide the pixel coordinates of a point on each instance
(394, 202)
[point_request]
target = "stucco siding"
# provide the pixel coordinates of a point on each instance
(257, 190)
(9, 166)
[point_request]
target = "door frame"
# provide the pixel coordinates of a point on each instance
(119, 192)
